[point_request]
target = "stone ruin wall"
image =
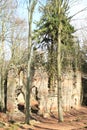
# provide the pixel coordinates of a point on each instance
(71, 92)
(72, 89)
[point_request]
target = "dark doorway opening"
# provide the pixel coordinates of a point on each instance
(84, 91)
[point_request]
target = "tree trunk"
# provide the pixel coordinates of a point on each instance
(29, 77)
(2, 67)
(27, 120)
(60, 111)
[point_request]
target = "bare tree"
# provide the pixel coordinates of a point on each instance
(31, 8)
(8, 27)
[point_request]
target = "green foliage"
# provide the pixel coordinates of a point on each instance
(47, 33)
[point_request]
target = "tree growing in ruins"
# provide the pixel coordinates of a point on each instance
(13, 37)
(5, 16)
(55, 35)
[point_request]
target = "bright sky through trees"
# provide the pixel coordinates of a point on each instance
(81, 17)
(78, 21)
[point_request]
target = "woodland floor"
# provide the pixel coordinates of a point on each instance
(73, 120)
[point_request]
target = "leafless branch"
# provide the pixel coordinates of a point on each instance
(78, 12)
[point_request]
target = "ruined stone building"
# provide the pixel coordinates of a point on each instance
(71, 91)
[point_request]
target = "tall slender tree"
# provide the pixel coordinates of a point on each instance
(60, 111)
(55, 34)
(31, 8)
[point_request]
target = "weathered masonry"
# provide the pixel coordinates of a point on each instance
(71, 91)
(40, 95)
